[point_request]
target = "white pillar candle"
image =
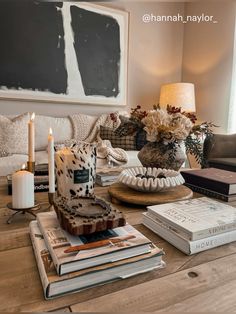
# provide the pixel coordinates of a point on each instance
(51, 163)
(22, 189)
(31, 138)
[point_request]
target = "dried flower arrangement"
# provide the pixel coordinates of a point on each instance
(168, 128)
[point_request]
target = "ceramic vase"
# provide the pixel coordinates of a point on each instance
(154, 155)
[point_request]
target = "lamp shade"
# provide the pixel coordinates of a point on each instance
(178, 95)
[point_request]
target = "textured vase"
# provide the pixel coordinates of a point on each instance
(152, 155)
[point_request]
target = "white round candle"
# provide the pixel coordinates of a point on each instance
(51, 162)
(31, 138)
(22, 189)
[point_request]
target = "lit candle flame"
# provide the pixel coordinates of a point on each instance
(50, 131)
(23, 167)
(32, 116)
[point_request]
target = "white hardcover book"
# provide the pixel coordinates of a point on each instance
(188, 247)
(196, 218)
(58, 240)
(55, 286)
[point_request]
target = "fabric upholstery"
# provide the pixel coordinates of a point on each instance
(220, 151)
(14, 135)
(82, 125)
(125, 142)
(61, 128)
(12, 163)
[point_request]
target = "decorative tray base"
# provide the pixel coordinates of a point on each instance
(122, 193)
(30, 210)
(87, 215)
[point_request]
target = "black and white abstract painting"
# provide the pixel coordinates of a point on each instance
(63, 51)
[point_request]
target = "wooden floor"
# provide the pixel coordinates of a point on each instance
(204, 282)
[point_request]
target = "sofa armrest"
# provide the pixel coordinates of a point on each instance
(219, 146)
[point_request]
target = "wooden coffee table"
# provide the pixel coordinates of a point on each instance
(202, 282)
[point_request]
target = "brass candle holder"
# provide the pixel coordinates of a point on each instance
(31, 166)
(51, 198)
(31, 210)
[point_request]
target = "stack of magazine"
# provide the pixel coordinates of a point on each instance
(107, 178)
(193, 225)
(69, 263)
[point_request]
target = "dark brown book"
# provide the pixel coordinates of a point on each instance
(218, 180)
(210, 193)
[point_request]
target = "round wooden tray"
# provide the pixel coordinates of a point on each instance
(122, 193)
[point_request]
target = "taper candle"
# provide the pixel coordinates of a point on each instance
(51, 162)
(31, 139)
(22, 189)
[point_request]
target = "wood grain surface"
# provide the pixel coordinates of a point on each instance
(203, 282)
(121, 192)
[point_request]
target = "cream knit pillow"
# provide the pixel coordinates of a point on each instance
(14, 135)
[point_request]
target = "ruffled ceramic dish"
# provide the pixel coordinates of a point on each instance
(150, 179)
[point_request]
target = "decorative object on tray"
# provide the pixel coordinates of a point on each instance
(167, 131)
(122, 193)
(150, 179)
(76, 170)
(87, 215)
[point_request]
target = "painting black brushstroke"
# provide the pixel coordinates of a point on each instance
(32, 46)
(97, 47)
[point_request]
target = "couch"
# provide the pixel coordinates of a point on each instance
(220, 151)
(14, 146)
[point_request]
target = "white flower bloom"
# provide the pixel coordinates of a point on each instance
(160, 125)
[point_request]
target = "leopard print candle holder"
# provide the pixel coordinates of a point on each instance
(76, 170)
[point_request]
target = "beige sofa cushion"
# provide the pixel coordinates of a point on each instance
(13, 134)
(61, 128)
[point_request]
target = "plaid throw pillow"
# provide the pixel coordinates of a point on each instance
(124, 142)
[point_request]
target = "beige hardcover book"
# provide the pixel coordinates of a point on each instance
(186, 246)
(55, 286)
(197, 218)
(132, 243)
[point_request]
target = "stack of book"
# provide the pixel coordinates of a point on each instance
(107, 178)
(69, 263)
(212, 182)
(193, 225)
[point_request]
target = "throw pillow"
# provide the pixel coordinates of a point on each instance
(82, 125)
(124, 142)
(14, 135)
(61, 128)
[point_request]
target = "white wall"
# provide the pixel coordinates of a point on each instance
(208, 57)
(155, 57)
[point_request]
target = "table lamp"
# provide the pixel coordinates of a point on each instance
(178, 95)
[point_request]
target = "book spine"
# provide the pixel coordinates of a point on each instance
(38, 187)
(169, 226)
(49, 246)
(207, 192)
(206, 183)
(34, 231)
(212, 242)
